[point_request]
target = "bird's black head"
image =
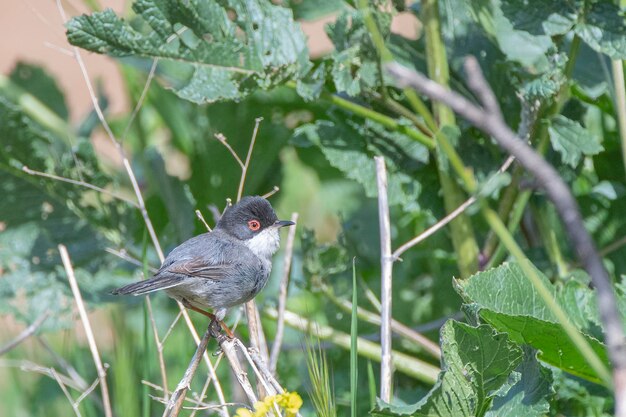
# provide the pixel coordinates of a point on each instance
(249, 217)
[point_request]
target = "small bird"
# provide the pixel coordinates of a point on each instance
(222, 268)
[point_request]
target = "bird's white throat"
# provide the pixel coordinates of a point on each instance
(265, 244)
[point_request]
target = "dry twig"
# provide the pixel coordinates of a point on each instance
(386, 261)
(25, 334)
(88, 331)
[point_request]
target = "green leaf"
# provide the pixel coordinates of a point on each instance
(539, 17)
(518, 45)
(528, 397)
(207, 51)
(355, 61)
(477, 362)
(506, 299)
(572, 140)
(351, 147)
(603, 28)
(314, 9)
(34, 80)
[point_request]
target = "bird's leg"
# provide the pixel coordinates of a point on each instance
(214, 319)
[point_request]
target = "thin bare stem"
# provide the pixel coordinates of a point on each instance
(178, 396)
(228, 348)
(91, 341)
(79, 183)
(386, 264)
(142, 97)
(54, 374)
(201, 218)
(25, 334)
(491, 122)
(159, 345)
(222, 139)
(282, 295)
(275, 189)
(620, 99)
(433, 229)
(86, 393)
(67, 367)
(244, 168)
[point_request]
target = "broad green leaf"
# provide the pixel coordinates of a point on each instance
(603, 28)
(506, 299)
(529, 396)
(518, 45)
(540, 17)
(572, 140)
(207, 51)
(477, 362)
(351, 148)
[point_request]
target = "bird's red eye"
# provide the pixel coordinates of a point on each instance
(254, 225)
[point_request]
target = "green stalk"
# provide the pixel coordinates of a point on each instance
(508, 241)
(371, 383)
(384, 120)
(462, 232)
(620, 99)
(402, 362)
(354, 345)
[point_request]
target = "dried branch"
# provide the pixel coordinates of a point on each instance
(25, 334)
(386, 262)
(433, 229)
(201, 218)
(268, 194)
(244, 168)
(222, 139)
(282, 295)
(142, 97)
(55, 376)
(79, 183)
(88, 331)
(178, 396)
(489, 119)
(228, 348)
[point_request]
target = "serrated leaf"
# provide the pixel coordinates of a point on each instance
(603, 28)
(352, 147)
(529, 396)
(207, 51)
(572, 140)
(477, 361)
(506, 299)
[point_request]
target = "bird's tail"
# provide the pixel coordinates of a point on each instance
(148, 285)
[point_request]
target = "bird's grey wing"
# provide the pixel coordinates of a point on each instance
(199, 268)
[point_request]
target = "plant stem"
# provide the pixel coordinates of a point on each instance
(384, 120)
(462, 233)
(402, 362)
(620, 99)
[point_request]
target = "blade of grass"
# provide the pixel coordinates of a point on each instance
(354, 332)
(371, 383)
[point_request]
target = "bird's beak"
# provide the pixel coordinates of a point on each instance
(283, 223)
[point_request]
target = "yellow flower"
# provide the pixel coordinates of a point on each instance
(289, 401)
(244, 412)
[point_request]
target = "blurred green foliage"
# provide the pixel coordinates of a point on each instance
(222, 64)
